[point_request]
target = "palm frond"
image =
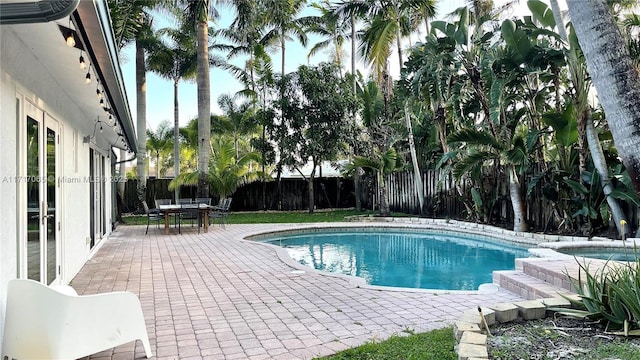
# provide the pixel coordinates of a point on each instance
(474, 137)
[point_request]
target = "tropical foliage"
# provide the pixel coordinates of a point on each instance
(610, 293)
(502, 108)
(314, 125)
(226, 172)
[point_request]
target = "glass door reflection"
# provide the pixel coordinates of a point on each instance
(42, 143)
(33, 199)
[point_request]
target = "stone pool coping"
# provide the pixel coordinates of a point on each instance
(543, 245)
(484, 229)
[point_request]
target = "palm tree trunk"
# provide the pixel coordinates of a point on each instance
(338, 57)
(600, 163)
(141, 113)
(263, 147)
(279, 176)
(158, 165)
(204, 108)
(519, 208)
(417, 177)
(595, 148)
(283, 45)
(311, 194)
(356, 176)
(262, 160)
(353, 51)
(399, 45)
(176, 137)
(559, 20)
(614, 76)
(384, 195)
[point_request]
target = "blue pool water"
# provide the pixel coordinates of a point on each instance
(403, 258)
(603, 253)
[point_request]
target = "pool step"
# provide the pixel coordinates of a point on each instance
(551, 271)
(536, 278)
(527, 286)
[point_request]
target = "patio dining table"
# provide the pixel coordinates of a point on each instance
(203, 214)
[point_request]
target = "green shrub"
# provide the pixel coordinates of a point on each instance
(611, 294)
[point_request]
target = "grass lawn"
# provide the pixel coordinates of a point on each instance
(273, 217)
(434, 345)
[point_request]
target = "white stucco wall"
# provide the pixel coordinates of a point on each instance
(8, 200)
(22, 73)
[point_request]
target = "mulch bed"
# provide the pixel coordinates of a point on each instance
(552, 338)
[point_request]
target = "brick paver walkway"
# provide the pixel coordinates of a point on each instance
(215, 296)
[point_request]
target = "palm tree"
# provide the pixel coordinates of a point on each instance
(388, 21)
(483, 148)
(425, 11)
(284, 22)
(175, 61)
(239, 120)
(131, 22)
(333, 28)
(382, 163)
(159, 142)
(614, 76)
(382, 156)
(244, 32)
(226, 172)
(581, 84)
(198, 14)
(352, 15)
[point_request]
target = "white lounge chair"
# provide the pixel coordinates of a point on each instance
(45, 323)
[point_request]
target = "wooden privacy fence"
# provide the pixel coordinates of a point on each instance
(156, 189)
(329, 193)
(446, 198)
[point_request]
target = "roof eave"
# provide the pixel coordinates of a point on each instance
(93, 23)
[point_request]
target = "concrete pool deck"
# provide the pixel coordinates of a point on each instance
(216, 296)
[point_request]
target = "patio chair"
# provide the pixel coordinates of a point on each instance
(44, 323)
(226, 209)
(167, 202)
(152, 215)
(220, 204)
(203, 201)
(184, 201)
(163, 202)
(221, 212)
(189, 212)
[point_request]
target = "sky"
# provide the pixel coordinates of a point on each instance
(160, 91)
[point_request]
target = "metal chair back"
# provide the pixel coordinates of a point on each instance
(163, 202)
(206, 201)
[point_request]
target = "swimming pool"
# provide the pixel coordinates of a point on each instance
(616, 254)
(409, 258)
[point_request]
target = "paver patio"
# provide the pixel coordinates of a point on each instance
(215, 296)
